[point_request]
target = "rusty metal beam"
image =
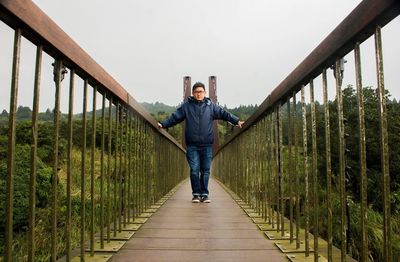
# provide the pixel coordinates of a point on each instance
(212, 93)
(187, 91)
(187, 87)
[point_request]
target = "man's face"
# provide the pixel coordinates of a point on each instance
(199, 93)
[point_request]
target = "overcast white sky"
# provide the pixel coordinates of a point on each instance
(250, 45)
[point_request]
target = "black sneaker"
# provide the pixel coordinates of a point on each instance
(196, 199)
(205, 200)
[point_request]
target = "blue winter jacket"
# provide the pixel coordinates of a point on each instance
(199, 116)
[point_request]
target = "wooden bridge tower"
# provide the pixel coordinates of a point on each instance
(212, 91)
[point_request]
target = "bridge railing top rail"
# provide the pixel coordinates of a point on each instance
(38, 28)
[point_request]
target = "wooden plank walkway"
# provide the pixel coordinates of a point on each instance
(185, 231)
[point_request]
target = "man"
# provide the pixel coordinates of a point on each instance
(199, 113)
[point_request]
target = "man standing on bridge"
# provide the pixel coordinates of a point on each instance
(199, 112)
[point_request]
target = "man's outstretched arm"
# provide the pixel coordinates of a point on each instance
(220, 113)
(175, 118)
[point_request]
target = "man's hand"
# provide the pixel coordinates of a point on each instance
(160, 125)
(240, 124)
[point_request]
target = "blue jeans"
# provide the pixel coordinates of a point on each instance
(199, 159)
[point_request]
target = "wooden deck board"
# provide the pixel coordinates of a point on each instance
(185, 231)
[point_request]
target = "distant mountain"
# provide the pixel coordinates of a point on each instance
(157, 107)
(152, 108)
(25, 113)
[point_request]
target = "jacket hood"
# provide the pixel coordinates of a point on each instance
(206, 100)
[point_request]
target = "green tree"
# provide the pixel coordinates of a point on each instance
(21, 187)
(24, 113)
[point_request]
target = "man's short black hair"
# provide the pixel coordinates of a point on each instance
(198, 84)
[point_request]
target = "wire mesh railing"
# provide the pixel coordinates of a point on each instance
(72, 183)
(306, 168)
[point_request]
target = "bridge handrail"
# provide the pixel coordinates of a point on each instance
(295, 161)
(356, 27)
(130, 156)
(42, 30)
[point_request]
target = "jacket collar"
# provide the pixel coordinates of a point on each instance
(206, 100)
